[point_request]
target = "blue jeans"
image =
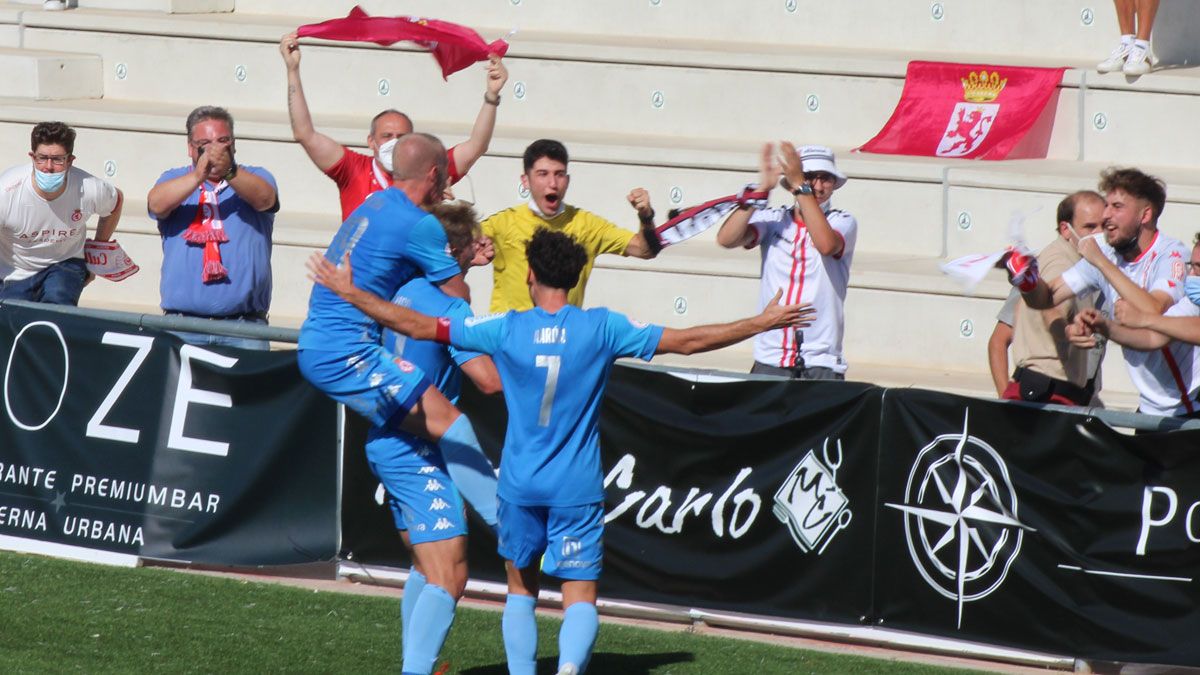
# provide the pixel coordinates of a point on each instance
(202, 339)
(58, 284)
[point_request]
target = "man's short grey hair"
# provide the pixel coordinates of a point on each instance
(208, 112)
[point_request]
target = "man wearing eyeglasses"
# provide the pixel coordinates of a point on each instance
(216, 218)
(806, 251)
(44, 209)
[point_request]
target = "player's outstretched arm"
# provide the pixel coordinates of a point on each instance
(340, 280)
(714, 336)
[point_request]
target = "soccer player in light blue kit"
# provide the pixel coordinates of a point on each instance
(392, 239)
(554, 361)
(406, 464)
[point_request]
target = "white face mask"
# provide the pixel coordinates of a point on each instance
(385, 154)
(49, 182)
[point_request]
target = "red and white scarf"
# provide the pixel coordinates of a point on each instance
(689, 222)
(208, 231)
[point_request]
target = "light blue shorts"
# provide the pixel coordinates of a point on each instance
(572, 538)
(371, 381)
(422, 498)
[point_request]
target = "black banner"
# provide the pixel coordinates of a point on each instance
(1036, 529)
(906, 509)
(126, 440)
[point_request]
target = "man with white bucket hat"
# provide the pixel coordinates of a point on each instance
(806, 251)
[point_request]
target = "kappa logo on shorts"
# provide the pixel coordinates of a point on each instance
(810, 502)
(434, 485)
(392, 390)
(426, 470)
(421, 527)
(960, 517)
(424, 451)
(438, 504)
(376, 379)
(442, 524)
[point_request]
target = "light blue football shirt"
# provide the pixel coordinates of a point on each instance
(554, 368)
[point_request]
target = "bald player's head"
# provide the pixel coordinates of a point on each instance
(419, 161)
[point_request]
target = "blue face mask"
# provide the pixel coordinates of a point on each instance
(1191, 286)
(49, 182)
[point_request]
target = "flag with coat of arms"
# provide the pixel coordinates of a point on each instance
(965, 111)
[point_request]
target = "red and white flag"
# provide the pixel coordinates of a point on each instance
(455, 47)
(107, 259)
(965, 111)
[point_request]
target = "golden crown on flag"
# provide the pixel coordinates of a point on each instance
(981, 87)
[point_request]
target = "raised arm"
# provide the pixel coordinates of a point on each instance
(824, 238)
(645, 243)
(469, 151)
(321, 149)
(340, 280)
(1023, 273)
(735, 232)
(1127, 288)
(166, 196)
(252, 188)
(106, 225)
(715, 336)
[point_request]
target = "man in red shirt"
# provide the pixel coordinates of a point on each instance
(358, 175)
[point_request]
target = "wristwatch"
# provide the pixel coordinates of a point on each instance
(803, 189)
(229, 175)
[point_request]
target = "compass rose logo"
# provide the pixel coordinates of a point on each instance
(960, 517)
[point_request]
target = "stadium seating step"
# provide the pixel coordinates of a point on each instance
(43, 75)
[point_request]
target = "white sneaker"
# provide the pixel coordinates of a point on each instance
(1116, 59)
(54, 5)
(568, 669)
(1138, 62)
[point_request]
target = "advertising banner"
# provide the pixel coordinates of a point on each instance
(1035, 529)
(127, 440)
(905, 509)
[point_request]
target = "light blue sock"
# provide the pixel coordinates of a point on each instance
(430, 622)
(470, 469)
(578, 635)
(520, 634)
(408, 602)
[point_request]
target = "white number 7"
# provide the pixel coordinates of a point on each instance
(551, 364)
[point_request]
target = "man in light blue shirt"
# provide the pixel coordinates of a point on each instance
(554, 362)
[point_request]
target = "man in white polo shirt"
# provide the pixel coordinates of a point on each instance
(44, 209)
(806, 251)
(1135, 262)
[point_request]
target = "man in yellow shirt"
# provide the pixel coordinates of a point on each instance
(547, 180)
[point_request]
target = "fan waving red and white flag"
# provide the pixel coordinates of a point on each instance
(455, 47)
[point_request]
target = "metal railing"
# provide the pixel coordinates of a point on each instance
(189, 324)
